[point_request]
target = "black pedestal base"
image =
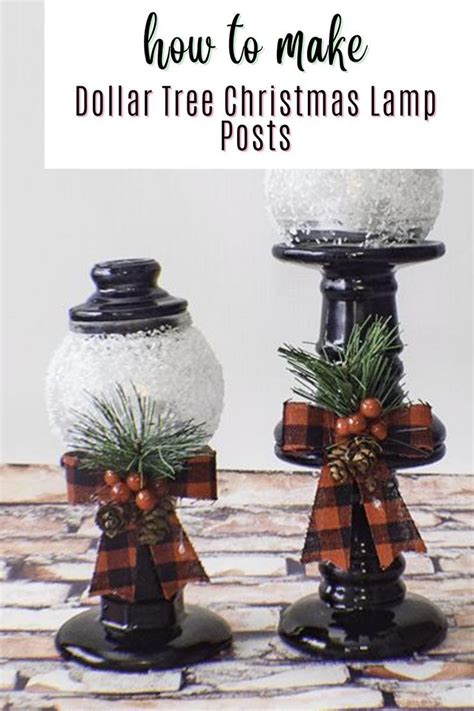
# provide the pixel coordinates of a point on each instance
(396, 630)
(197, 635)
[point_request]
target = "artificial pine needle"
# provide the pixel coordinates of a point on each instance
(124, 433)
(342, 376)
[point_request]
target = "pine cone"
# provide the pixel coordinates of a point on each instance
(339, 451)
(357, 455)
(112, 519)
(337, 461)
(339, 471)
(154, 526)
(362, 454)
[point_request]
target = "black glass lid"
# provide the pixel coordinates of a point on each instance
(127, 299)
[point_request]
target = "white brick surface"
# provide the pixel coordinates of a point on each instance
(104, 682)
(247, 541)
(28, 594)
(8, 677)
(291, 678)
(21, 618)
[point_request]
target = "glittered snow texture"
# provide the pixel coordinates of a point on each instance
(384, 206)
(176, 367)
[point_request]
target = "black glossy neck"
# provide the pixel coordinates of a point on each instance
(358, 282)
(351, 294)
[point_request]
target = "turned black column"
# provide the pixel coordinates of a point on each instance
(363, 612)
(351, 293)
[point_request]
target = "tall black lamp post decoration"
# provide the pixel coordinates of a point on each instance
(136, 392)
(356, 424)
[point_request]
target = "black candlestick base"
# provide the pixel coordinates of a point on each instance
(362, 613)
(148, 633)
(197, 635)
(380, 632)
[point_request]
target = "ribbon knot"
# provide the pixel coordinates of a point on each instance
(307, 428)
(174, 557)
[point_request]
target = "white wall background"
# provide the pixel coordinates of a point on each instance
(212, 235)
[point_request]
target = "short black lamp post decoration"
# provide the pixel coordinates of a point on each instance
(135, 392)
(355, 422)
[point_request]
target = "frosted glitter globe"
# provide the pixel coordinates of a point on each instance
(132, 333)
(367, 207)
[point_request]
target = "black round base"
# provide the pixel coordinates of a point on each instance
(199, 634)
(398, 630)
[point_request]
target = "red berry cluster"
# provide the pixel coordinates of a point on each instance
(134, 485)
(366, 421)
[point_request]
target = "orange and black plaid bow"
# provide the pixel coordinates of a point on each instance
(307, 428)
(175, 559)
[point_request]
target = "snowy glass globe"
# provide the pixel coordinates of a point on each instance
(366, 207)
(134, 334)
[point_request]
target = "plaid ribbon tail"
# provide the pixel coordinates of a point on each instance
(392, 528)
(329, 531)
(115, 566)
(176, 561)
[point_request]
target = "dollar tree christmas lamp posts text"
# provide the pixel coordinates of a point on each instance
(240, 105)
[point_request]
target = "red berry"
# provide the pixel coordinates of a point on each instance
(371, 408)
(145, 500)
(379, 430)
(135, 481)
(357, 423)
(342, 427)
(111, 477)
(120, 492)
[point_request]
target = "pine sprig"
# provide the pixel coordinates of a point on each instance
(341, 377)
(125, 433)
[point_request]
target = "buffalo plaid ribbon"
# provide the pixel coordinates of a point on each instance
(309, 428)
(175, 559)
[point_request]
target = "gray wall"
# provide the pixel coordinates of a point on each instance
(212, 235)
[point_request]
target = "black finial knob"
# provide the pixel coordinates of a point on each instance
(121, 274)
(127, 300)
